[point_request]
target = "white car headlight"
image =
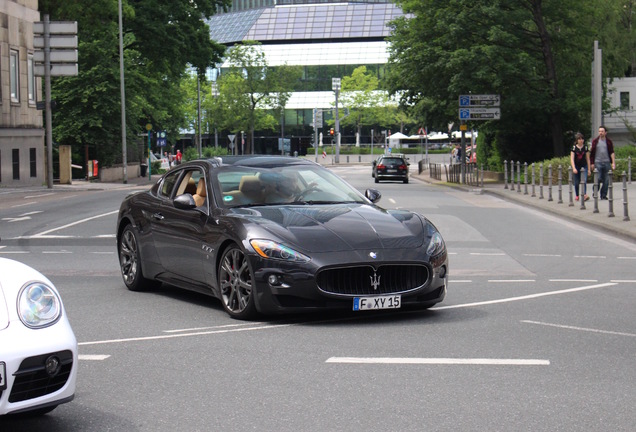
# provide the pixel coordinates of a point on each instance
(38, 305)
(270, 249)
(436, 245)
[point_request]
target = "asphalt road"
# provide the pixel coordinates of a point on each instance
(536, 333)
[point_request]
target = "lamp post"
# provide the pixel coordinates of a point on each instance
(199, 115)
(215, 93)
(123, 98)
(336, 86)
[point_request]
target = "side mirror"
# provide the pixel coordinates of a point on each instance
(373, 195)
(184, 202)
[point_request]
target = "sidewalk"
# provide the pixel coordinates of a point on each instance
(601, 220)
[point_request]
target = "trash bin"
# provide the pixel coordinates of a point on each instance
(142, 170)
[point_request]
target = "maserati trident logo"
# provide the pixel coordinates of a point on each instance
(375, 280)
(373, 255)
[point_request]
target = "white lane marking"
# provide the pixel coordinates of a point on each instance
(542, 255)
(623, 280)
(461, 281)
(103, 253)
(487, 254)
(589, 256)
(14, 252)
(2, 247)
(182, 335)
(629, 258)
(57, 252)
(39, 196)
(23, 205)
(574, 280)
(526, 297)
(31, 213)
(17, 219)
(92, 356)
(74, 223)
(568, 327)
(207, 328)
(105, 236)
(452, 253)
(439, 361)
(391, 200)
(511, 280)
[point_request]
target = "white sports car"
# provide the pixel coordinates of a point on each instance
(38, 349)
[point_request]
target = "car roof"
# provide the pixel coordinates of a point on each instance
(259, 161)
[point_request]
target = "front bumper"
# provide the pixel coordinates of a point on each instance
(299, 291)
(24, 352)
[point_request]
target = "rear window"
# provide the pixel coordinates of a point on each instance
(392, 161)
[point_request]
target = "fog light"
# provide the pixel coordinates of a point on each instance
(273, 280)
(52, 366)
(442, 272)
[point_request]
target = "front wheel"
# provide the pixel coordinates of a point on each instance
(236, 284)
(130, 262)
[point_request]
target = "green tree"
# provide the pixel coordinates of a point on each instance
(535, 53)
(361, 95)
(252, 89)
(161, 38)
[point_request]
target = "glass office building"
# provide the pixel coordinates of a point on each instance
(326, 38)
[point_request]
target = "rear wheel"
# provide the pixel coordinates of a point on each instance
(376, 179)
(406, 180)
(130, 262)
(236, 284)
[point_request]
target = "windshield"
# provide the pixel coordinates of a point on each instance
(290, 184)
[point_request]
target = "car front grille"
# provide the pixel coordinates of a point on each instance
(366, 280)
(32, 380)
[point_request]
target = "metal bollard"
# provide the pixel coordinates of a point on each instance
(525, 178)
(595, 190)
(533, 194)
(610, 194)
(560, 180)
(570, 186)
(625, 209)
(512, 176)
(482, 175)
(518, 177)
(629, 169)
(541, 181)
(550, 182)
(581, 194)
(505, 174)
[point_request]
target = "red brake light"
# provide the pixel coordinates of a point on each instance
(402, 166)
(381, 166)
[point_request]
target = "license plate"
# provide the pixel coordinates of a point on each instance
(377, 303)
(391, 171)
(3, 376)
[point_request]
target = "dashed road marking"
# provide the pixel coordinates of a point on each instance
(585, 329)
(439, 361)
(93, 356)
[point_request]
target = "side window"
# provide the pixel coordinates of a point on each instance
(14, 75)
(168, 184)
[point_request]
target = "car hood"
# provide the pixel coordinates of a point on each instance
(330, 228)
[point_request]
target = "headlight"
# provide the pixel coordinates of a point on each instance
(38, 305)
(436, 245)
(273, 250)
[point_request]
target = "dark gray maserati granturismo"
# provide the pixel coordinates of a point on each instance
(274, 234)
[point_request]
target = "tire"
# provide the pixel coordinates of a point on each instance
(406, 180)
(130, 262)
(376, 179)
(236, 283)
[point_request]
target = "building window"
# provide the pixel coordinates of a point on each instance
(16, 164)
(31, 77)
(14, 75)
(33, 162)
(625, 100)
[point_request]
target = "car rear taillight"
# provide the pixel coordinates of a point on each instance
(381, 166)
(402, 167)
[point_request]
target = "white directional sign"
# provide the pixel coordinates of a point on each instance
(56, 41)
(56, 27)
(479, 113)
(57, 56)
(57, 69)
(479, 100)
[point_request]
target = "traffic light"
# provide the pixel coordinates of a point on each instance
(331, 131)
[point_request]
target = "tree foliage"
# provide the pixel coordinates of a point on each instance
(536, 54)
(160, 37)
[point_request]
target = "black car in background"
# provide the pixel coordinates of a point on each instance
(272, 234)
(391, 167)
